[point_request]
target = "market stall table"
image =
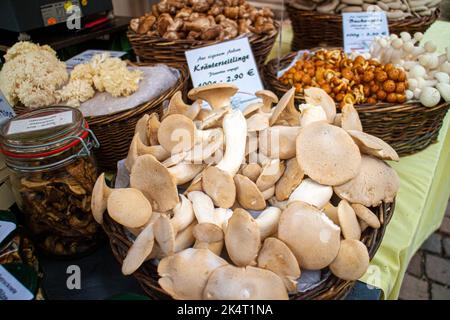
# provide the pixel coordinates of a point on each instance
(422, 198)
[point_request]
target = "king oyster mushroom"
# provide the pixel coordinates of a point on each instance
(204, 209)
(153, 125)
(312, 193)
(271, 173)
(348, 221)
(217, 95)
(351, 261)
(373, 146)
(178, 106)
(129, 207)
(366, 215)
(251, 171)
(155, 182)
(350, 118)
(375, 182)
(268, 99)
(249, 283)
(248, 194)
(327, 154)
(291, 178)
(217, 181)
(313, 238)
(209, 236)
(278, 258)
(318, 97)
(141, 128)
(184, 275)
(100, 194)
(278, 142)
(177, 133)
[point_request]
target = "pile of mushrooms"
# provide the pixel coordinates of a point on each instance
(427, 71)
(234, 204)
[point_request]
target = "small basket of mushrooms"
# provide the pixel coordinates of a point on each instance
(401, 87)
(318, 23)
(174, 26)
(231, 204)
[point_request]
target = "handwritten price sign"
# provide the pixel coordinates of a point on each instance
(226, 62)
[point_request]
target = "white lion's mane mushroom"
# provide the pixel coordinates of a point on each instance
(327, 154)
(100, 194)
(217, 95)
(184, 275)
(285, 110)
(155, 182)
(291, 178)
(129, 207)
(248, 194)
(376, 182)
(278, 142)
(318, 97)
(242, 238)
(278, 258)
(313, 238)
(352, 260)
(166, 229)
(373, 146)
(249, 283)
(235, 129)
(312, 193)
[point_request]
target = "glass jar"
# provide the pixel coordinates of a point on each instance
(53, 171)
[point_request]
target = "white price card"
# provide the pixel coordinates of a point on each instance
(40, 123)
(360, 29)
(6, 111)
(11, 288)
(6, 227)
(87, 55)
(227, 62)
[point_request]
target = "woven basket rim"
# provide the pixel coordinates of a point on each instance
(111, 117)
(331, 288)
(338, 17)
(415, 105)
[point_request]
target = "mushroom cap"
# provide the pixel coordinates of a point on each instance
(139, 251)
(250, 283)
(248, 194)
(291, 178)
(268, 193)
(251, 109)
(352, 260)
(208, 232)
(331, 212)
(178, 106)
(214, 119)
(177, 133)
(129, 207)
(184, 275)
(268, 221)
(313, 238)
(217, 95)
(375, 182)
(279, 142)
(100, 194)
(184, 172)
(132, 152)
(366, 215)
(258, 122)
(165, 234)
(373, 146)
(327, 154)
(212, 140)
(285, 110)
(271, 173)
(318, 97)
(350, 118)
(251, 171)
(278, 258)
(219, 185)
(141, 128)
(348, 222)
(155, 182)
(242, 238)
(268, 98)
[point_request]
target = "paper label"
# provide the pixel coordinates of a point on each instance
(6, 111)
(41, 123)
(6, 227)
(360, 29)
(11, 288)
(87, 55)
(227, 62)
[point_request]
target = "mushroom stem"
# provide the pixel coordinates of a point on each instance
(268, 222)
(185, 172)
(312, 193)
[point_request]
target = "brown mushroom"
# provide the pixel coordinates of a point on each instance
(373, 146)
(350, 118)
(129, 207)
(248, 194)
(217, 95)
(352, 260)
(348, 221)
(176, 133)
(291, 179)
(278, 142)
(100, 194)
(285, 110)
(366, 215)
(268, 99)
(219, 185)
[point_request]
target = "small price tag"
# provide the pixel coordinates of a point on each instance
(40, 123)
(87, 55)
(360, 29)
(11, 288)
(6, 112)
(6, 228)
(227, 62)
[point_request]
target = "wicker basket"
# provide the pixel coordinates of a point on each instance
(160, 50)
(115, 131)
(332, 288)
(408, 127)
(313, 29)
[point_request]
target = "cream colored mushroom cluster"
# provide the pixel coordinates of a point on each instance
(234, 204)
(427, 71)
(395, 9)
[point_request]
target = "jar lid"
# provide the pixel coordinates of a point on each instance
(43, 132)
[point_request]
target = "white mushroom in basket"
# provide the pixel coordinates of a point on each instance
(311, 113)
(249, 283)
(373, 146)
(279, 142)
(278, 258)
(348, 221)
(271, 173)
(327, 154)
(138, 148)
(209, 236)
(204, 209)
(285, 111)
(100, 194)
(318, 97)
(184, 275)
(178, 106)
(217, 95)
(312, 193)
(313, 238)
(291, 178)
(268, 99)
(129, 207)
(350, 118)
(352, 260)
